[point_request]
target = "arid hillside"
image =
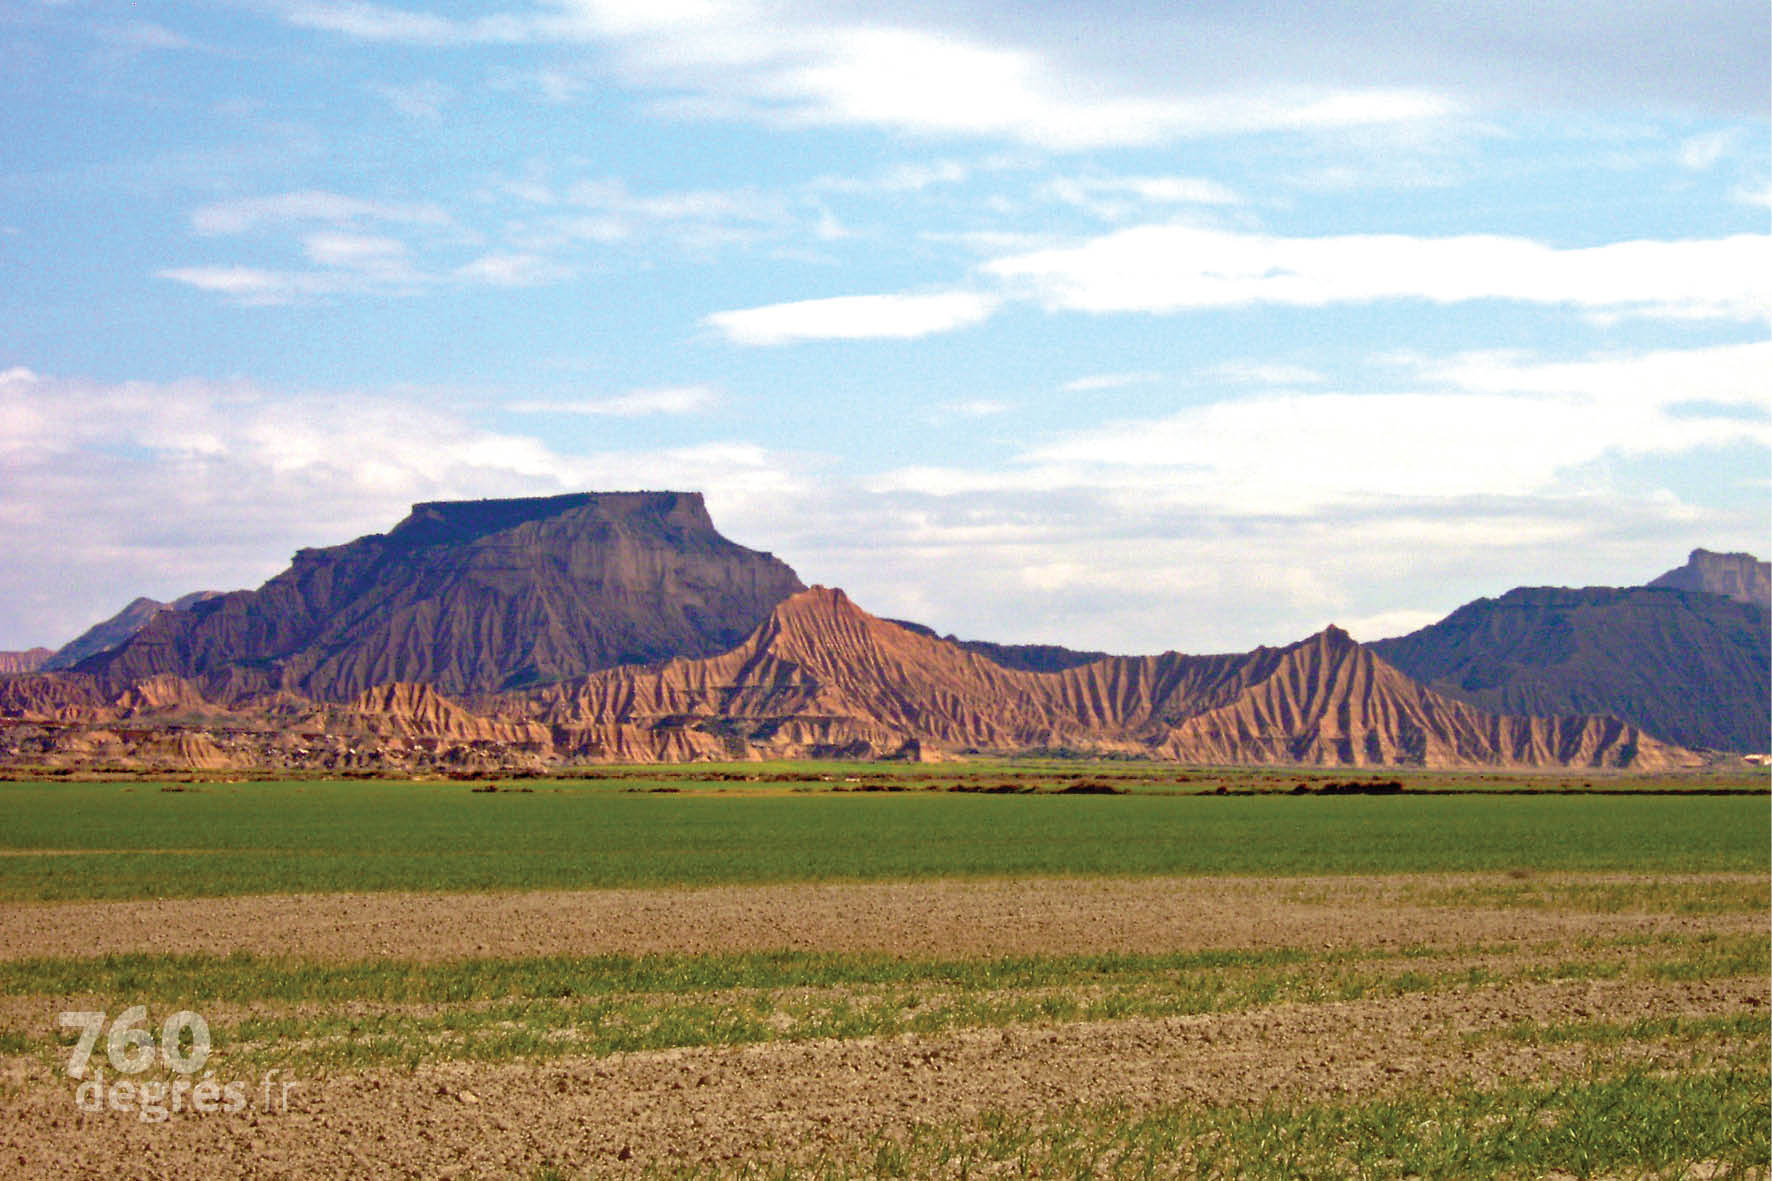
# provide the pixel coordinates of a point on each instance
(471, 596)
(27, 661)
(823, 677)
(1687, 666)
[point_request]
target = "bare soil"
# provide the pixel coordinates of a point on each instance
(795, 1102)
(944, 918)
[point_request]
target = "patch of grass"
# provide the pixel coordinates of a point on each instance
(243, 978)
(1753, 1024)
(87, 840)
(1632, 1124)
(1704, 896)
(273, 1011)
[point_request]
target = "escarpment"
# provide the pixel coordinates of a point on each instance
(472, 596)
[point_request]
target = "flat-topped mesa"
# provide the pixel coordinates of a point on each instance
(441, 522)
(474, 597)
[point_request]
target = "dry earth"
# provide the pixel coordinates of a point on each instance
(800, 1102)
(982, 918)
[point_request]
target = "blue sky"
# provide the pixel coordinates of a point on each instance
(1131, 326)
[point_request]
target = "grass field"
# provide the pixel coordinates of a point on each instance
(86, 840)
(1455, 980)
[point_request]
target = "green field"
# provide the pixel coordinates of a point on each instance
(111, 840)
(1589, 998)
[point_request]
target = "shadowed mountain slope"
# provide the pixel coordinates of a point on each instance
(472, 596)
(116, 631)
(1687, 666)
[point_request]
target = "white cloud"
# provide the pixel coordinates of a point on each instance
(381, 23)
(634, 404)
(1385, 624)
(241, 476)
(419, 100)
(806, 65)
(1268, 373)
(1176, 268)
(213, 484)
(310, 205)
(512, 269)
(854, 317)
(1107, 381)
(1760, 195)
(972, 408)
(900, 178)
(1738, 374)
(1486, 426)
(360, 251)
(1701, 152)
(354, 265)
(248, 285)
(1114, 198)
(144, 36)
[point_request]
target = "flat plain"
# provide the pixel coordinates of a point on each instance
(950, 970)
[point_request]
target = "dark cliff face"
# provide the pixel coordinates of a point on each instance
(1687, 667)
(474, 597)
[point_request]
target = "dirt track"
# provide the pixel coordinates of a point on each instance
(1051, 916)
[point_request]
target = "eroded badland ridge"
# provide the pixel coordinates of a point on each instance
(624, 627)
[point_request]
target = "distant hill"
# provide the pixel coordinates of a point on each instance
(472, 597)
(1687, 666)
(115, 631)
(1033, 658)
(28, 661)
(1742, 577)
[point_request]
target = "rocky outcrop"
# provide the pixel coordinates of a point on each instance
(1690, 667)
(27, 661)
(47, 697)
(822, 677)
(419, 711)
(1741, 577)
(472, 597)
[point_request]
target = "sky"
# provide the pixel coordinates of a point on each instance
(1129, 326)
